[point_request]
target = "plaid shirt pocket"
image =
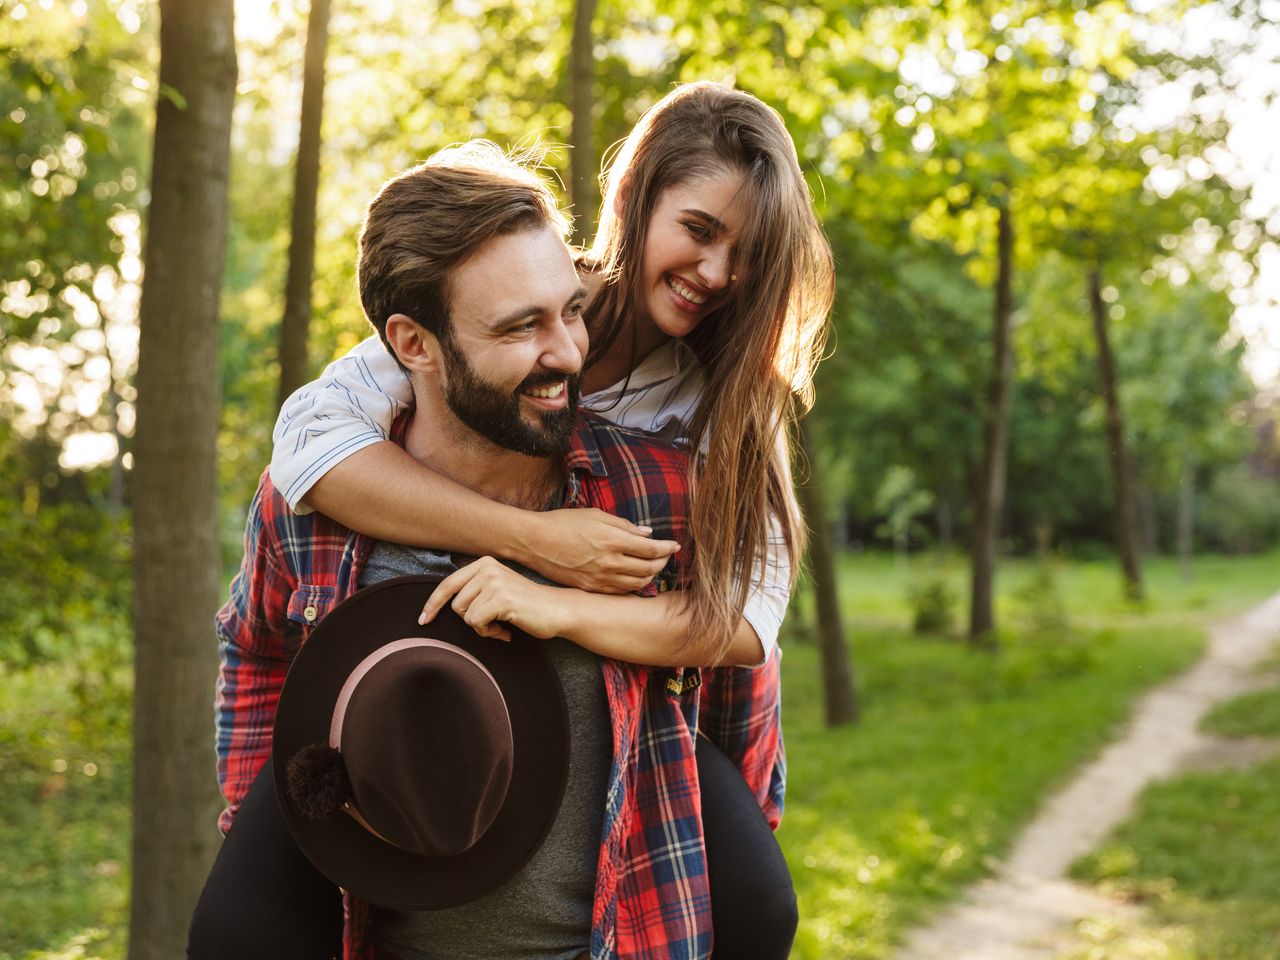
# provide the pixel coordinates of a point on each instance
(308, 605)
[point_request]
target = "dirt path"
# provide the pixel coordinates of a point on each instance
(1028, 910)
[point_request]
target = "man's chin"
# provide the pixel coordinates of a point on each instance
(551, 433)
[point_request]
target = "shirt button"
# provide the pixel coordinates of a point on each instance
(309, 614)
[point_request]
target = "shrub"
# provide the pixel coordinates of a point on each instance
(933, 607)
(1240, 512)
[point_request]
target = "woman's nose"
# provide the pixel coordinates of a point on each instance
(716, 266)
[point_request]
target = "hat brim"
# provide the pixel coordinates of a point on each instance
(354, 858)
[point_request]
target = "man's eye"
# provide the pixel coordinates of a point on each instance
(527, 327)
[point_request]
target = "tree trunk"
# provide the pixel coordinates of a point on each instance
(583, 168)
(1148, 520)
(1186, 515)
(945, 526)
(989, 500)
(176, 562)
(1127, 541)
(837, 671)
(294, 369)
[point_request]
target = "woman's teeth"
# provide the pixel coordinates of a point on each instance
(675, 284)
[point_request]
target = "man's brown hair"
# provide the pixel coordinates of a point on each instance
(429, 219)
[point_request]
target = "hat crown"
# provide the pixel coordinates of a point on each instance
(427, 744)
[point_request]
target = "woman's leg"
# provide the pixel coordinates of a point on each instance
(263, 898)
(753, 901)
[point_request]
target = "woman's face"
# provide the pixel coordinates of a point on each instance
(688, 260)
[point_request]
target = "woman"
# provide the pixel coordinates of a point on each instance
(713, 284)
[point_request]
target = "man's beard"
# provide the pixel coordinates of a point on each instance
(494, 412)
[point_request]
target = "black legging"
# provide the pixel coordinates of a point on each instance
(265, 901)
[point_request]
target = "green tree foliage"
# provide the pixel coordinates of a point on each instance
(909, 118)
(73, 145)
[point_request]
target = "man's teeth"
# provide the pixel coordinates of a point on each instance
(548, 393)
(684, 291)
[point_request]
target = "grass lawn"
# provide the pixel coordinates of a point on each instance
(884, 821)
(888, 820)
(64, 818)
(1201, 853)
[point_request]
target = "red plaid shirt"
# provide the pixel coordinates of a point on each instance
(651, 898)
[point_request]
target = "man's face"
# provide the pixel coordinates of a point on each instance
(513, 359)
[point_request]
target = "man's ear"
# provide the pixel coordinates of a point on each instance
(417, 349)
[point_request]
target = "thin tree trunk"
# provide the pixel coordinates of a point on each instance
(294, 369)
(838, 692)
(944, 526)
(995, 444)
(1127, 541)
(1148, 521)
(176, 563)
(1186, 515)
(583, 168)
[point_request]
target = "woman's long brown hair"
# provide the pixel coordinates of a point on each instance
(758, 349)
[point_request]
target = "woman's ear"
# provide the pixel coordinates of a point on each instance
(414, 346)
(621, 195)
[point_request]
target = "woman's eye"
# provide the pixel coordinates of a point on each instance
(698, 230)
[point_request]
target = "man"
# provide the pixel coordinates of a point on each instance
(466, 276)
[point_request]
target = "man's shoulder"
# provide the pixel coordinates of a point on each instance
(272, 521)
(620, 445)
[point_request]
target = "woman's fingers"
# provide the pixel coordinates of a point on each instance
(444, 592)
(474, 594)
(598, 552)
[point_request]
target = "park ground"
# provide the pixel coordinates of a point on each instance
(886, 821)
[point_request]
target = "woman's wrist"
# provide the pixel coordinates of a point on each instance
(520, 535)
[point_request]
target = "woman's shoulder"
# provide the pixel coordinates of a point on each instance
(660, 396)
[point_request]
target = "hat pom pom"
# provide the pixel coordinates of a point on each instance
(317, 781)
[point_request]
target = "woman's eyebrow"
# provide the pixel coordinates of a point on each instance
(705, 216)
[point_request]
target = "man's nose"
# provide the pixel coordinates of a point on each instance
(561, 351)
(715, 267)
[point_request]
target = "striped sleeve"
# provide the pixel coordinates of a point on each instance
(350, 406)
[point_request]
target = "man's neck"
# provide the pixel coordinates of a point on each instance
(459, 453)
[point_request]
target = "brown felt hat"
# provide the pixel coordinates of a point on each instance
(418, 767)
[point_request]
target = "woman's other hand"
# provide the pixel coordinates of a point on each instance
(593, 551)
(491, 597)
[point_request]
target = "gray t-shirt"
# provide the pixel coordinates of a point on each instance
(543, 912)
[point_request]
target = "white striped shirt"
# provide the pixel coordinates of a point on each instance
(356, 399)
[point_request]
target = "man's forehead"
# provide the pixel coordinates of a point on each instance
(524, 269)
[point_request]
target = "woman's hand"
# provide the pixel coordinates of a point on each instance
(490, 596)
(593, 550)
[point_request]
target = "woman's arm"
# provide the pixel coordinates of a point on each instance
(331, 454)
(647, 630)
(348, 408)
(387, 494)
